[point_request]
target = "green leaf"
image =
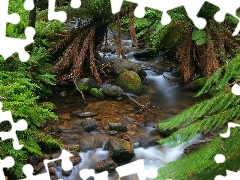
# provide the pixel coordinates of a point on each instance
(199, 35)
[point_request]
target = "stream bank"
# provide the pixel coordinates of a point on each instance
(87, 127)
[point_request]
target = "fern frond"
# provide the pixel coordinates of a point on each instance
(204, 166)
(202, 126)
(221, 102)
(223, 76)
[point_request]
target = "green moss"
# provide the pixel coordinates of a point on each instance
(48, 143)
(96, 93)
(196, 84)
(131, 81)
(83, 87)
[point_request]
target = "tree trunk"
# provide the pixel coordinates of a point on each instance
(33, 15)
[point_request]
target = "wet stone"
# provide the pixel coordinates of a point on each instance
(165, 133)
(37, 168)
(89, 124)
(120, 150)
(106, 165)
(87, 114)
(33, 160)
(193, 148)
(112, 91)
(117, 127)
(52, 164)
(92, 142)
(113, 132)
(86, 84)
(75, 159)
(52, 171)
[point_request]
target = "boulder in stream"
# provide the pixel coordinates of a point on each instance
(123, 65)
(196, 84)
(87, 114)
(120, 150)
(112, 91)
(86, 84)
(145, 54)
(106, 165)
(117, 127)
(89, 124)
(130, 82)
(92, 142)
(165, 133)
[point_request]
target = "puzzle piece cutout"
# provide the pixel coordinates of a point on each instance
(192, 8)
(236, 89)
(21, 125)
(8, 45)
(230, 175)
(67, 165)
(230, 125)
(136, 167)
(29, 5)
(60, 15)
(7, 162)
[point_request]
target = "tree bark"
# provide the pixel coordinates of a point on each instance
(33, 15)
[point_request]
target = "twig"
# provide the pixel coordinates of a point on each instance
(143, 107)
(74, 80)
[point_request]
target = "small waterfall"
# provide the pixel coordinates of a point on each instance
(154, 157)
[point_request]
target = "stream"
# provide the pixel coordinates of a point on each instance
(162, 89)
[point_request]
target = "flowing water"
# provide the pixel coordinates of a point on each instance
(166, 95)
(154, 157)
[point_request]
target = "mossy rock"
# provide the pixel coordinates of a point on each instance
(120, 150)
(197, 84)
(48, 143)
(130, 81)
(123, 65)
(97, 93)
(112, 91)
(86, 84)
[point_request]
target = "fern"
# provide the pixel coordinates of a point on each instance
(200, 164)
(204, 117)
(222, 77)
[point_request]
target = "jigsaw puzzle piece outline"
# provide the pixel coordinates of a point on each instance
(60, 15)
(230, 175)
(191, 7)
(67, 165)
(87, 173)
(20, 125)
(227, 7)
(29, 5)
(28, 171)
(138, 167)
(7, 162)
(7, 49)
(75, 4)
